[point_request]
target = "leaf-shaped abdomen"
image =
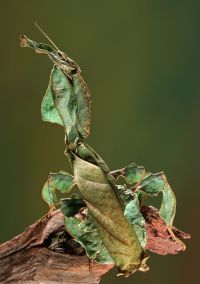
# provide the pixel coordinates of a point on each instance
(115, 230)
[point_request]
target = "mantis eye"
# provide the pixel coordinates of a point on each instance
(60, 54)
(73, 71)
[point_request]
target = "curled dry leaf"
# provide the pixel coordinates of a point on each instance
(160, 238)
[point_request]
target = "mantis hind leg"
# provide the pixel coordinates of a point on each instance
(147, 184)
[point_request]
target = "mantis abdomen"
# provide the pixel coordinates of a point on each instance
(114, 229)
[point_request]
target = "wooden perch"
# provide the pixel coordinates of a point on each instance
(45, 253)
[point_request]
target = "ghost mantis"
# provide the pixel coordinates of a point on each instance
(102, 216)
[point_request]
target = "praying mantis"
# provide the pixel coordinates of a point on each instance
(103, 216)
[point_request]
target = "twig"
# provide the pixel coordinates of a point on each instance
(32, 257)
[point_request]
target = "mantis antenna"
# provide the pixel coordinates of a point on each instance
(48, 38)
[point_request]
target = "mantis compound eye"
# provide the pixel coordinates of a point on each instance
(62, 54)
(74, 71)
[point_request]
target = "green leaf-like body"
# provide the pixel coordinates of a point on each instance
(61, 181)
(114, 229)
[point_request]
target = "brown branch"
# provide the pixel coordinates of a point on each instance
(45, 253)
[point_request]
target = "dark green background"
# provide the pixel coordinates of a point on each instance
(141, 60)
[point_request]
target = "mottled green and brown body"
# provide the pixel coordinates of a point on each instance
(113, 229)
(69, 98)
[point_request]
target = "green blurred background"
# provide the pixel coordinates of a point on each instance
(141, 60)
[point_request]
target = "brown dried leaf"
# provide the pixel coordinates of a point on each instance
(162, 239)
